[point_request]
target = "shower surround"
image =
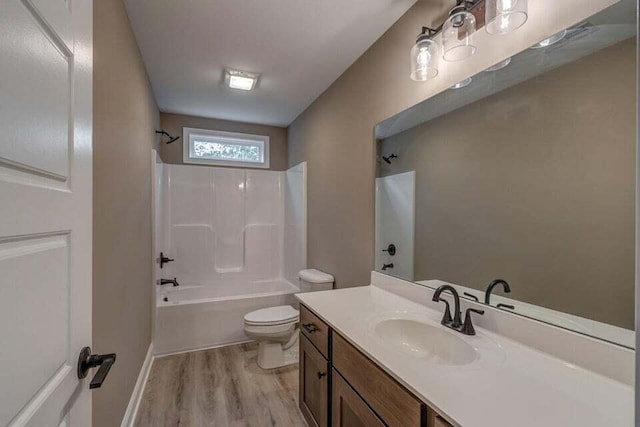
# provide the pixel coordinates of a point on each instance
(238, 238)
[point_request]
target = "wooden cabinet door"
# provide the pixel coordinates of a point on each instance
(349, 410)
(314, 378)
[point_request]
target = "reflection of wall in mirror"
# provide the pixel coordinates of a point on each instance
(536, 185)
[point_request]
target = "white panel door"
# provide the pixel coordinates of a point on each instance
(45, 210)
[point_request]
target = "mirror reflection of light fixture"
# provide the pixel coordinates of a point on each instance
(550, 40)
(505, 16)
(464, 83)
(457, 33)
(500, 65)
(424, 56)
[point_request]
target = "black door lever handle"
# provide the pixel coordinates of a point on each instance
(86, 361)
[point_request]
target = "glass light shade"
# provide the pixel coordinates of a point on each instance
(464, 83)
(499, 66)
(424, 56)
(457, 36)
(505, 16)
(550, 40)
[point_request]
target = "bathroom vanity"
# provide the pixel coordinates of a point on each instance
(334, 373)
(378, 355)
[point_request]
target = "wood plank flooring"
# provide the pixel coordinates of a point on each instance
(219, 387)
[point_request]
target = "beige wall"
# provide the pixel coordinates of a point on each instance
(536, 185)
(335, 134)
(125, 118)
(173, 123)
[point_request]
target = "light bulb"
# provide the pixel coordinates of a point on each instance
(504, 22)
(505, 16)
(506, 5)
(424, 57)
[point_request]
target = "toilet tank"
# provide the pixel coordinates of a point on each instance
(315, 280)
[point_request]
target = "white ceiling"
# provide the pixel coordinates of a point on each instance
(299, 46)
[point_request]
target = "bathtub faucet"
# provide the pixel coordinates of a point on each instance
(174, 282)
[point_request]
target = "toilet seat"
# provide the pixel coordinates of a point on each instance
(272, 316)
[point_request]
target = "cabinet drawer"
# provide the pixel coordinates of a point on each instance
(313, 385)
(315, 329)
(390, 400)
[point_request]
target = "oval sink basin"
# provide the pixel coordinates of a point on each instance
(426, 342)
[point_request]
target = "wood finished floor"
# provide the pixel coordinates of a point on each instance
(219, 387)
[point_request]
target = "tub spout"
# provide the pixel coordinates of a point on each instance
(173, 282)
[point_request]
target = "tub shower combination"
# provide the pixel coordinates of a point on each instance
(237, 239)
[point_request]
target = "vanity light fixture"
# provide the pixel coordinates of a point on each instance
(242, 80)
(457, 33)
(499, 66)
(550, 40)
(424, 56)
(458, 44)
(464, 83)
(505, 16)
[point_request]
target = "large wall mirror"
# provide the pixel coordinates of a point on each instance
(525, 173)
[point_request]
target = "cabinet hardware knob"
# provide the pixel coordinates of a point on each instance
(309, 327)
(321, 374)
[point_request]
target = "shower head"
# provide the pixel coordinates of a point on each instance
(388, 159)
(171, 138)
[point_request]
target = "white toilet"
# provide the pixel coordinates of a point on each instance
(276, 328)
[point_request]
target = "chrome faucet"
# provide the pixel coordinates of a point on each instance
(173, 282)
(386, 266)
(456, 323)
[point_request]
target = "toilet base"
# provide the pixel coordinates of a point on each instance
(273, 355)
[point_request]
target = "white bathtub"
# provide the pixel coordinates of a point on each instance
(196, 317)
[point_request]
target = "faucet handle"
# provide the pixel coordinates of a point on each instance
(467, 327)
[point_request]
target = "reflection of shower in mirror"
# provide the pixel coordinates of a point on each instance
(395, 224)
(389, 158)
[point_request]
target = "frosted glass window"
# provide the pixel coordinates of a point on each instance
(226, 148)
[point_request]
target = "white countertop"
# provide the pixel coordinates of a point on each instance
(514, 385)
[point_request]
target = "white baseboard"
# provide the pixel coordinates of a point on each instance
(138, 390)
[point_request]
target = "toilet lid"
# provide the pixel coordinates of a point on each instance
(272, 315)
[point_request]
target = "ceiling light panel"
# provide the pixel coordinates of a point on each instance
(241, 80)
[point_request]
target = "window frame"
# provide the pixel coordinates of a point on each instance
(187, 148)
